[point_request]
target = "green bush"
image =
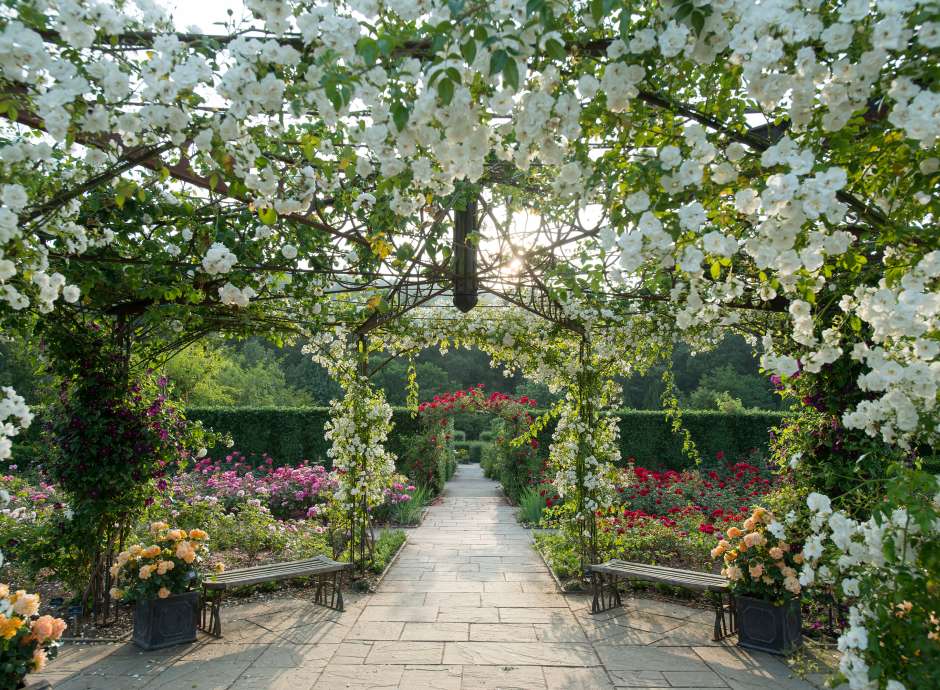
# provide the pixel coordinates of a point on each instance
(472, 424)
(532, 504)
(460, 436)
(473, 449)
(386, 546)
(489, 461)
(429, 459)
(487, 436)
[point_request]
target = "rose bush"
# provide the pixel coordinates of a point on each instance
(27, 640)
(170, 565)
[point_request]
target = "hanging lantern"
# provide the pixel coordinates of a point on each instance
(466, 283)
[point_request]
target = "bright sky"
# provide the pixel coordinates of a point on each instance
(203, 13)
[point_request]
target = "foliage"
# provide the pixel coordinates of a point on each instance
(469, 451)
(532, 503)
(113, 441)
(289, 432)
(409, 512)
(386, 546)
(170, 565)
(888, 568)
(209, 375)
(27, 640)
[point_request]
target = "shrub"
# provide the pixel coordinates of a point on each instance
(386, 546)
(473, 450)
(532, 504)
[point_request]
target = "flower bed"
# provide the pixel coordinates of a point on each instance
(665, 517)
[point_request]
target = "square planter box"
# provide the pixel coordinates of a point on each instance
(768, 628)
(165, 622)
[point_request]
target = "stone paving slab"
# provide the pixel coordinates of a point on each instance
(468, 605)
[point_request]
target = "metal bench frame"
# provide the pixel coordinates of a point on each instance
(326, 572)
(605, 577)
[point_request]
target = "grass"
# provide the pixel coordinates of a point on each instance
(409, 512)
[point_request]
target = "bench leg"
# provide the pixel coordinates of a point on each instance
(606, 594)
(726, 623)
(329, 590)
(211, 609)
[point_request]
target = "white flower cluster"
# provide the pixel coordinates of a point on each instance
(877, 553)
(904, 364)
(236, 297)
(14, 416)
(219, 259)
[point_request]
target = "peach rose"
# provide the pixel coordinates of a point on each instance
(198, 534)
(59, 626)
(776, 553)
(718, 551)
(798, 558)
(151, 551)
(25, 604)
(756, 570)
(145, 572)
(750, 524)
(42, 628)
(39, 659)
(163, 593)
(754, 539)
(734, 533)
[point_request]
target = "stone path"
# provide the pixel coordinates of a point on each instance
(468, 605)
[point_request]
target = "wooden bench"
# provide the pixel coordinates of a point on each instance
(326, 572)
(605, 576)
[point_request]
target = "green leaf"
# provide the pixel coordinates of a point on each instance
(400, 116)
(698, 22)
(445, 90)
(555, 49)
(597, 10)
(368, 50)
(683, 11)
(498, 61)
(511, 74)
(469, 51)
(267, 215)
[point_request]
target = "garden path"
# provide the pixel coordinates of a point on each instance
(468, 605)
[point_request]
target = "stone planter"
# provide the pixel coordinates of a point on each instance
(162, 623)
(768, 628)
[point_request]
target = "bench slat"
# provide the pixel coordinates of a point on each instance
(274, 571)
(673, 576)
(236, 574)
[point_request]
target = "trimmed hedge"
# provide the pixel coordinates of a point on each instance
(290, 435)
(474, 449)
(647, 436)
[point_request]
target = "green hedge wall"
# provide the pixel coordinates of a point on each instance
(646, 435)
(289, 434)
(293, 434)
